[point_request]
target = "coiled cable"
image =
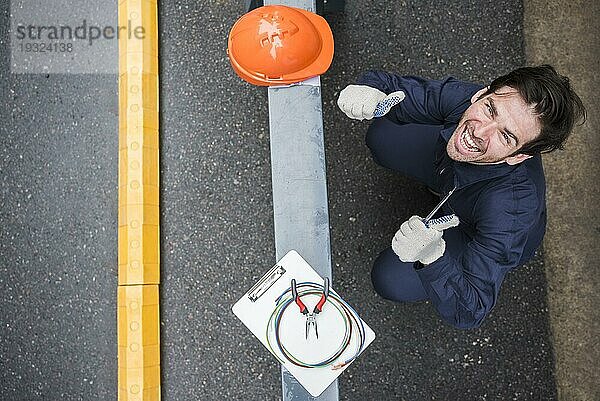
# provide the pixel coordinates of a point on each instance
(354, 328)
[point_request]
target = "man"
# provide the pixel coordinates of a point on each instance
(484, 145)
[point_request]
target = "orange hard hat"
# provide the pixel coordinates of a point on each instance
(279, 45)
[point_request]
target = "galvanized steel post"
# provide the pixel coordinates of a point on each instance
(299, 188)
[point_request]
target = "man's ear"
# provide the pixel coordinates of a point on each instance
(478, 94)
(516, 159)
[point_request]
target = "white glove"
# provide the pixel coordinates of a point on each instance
(417, 241)
(364, 102)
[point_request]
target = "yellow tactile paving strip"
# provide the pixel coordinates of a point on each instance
(139, 251)
(139, 342)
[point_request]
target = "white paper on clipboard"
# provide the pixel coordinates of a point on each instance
(255, 308)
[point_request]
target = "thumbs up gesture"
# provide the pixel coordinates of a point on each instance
(362, 102)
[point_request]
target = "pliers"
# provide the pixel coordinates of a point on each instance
(311, 317)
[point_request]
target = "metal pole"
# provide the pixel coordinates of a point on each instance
(299, 188)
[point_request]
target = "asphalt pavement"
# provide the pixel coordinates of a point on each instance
(58, 219)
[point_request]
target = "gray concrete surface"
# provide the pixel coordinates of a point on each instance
(566, 35)
(58, 166)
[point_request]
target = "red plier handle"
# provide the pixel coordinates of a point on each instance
(319, 305)
(303, 308)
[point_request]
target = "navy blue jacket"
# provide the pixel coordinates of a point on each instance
(502, 208)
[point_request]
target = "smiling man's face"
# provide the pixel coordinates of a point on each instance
(494, 128)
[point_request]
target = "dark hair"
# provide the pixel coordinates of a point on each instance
(554, 102)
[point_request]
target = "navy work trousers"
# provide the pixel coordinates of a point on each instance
(393, 279)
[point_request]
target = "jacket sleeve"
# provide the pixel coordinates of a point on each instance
(427, 101)
(465, 289)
